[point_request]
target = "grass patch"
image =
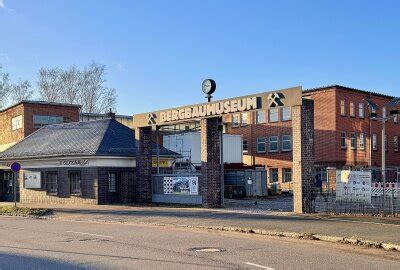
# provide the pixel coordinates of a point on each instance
(23, 211)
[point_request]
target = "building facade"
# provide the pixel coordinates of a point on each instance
(22, 119)
(345, 136)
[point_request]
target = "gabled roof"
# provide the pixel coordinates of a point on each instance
(322, 88)
(105, 137)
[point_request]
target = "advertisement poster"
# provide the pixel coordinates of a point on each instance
(185, 185)
(353, 186)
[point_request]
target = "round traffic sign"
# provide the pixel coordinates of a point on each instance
(15, 167)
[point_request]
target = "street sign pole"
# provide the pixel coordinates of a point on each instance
(15, 167)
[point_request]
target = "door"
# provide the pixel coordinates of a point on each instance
(114, 187)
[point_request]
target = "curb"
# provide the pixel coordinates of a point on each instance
(306, 236)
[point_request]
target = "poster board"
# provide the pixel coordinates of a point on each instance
(353, 186)
(181, 185)
(32, 179)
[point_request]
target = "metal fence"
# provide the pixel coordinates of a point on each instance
(358, 192)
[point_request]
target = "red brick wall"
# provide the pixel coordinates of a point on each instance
(70, 114)
(7, 135)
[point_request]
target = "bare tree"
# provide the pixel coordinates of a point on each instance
(4, 86)
(21, 91)
(49, 84)
(74, 86)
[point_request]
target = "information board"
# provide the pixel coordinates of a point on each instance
(32, 179)
(353, 186)
(186, 185)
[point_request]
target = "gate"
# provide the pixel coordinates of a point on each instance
(358, 192)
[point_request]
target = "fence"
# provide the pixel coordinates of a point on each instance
(358, 192)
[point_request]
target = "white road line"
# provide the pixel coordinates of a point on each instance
(259, 266)
(99, 235)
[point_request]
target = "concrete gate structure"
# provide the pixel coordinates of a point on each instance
(209, 115)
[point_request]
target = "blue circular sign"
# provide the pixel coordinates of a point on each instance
(15, 167)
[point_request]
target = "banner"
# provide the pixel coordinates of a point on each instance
(353, 186)
(185, 185)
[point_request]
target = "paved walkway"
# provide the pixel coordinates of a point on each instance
(369, 228)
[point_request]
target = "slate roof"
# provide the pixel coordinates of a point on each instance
(105, 137)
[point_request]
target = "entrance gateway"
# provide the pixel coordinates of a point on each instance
(210, 116)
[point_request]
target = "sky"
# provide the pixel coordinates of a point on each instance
(157, 53)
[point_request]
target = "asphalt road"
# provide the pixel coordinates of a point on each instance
(58, 244)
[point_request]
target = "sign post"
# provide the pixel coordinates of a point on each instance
(15, 167)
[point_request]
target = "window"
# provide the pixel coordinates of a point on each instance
(342, 108)
(245, 146)
(261, 147)
(16, 122)
(112, 182)
(286, 113)
(43, 120)
(51, 183)
(362, 141)
(287, 175)
(273, 175)
(273, 144)
(235, 120)
(374, 142)
(286, 143)
(243, 119)
(396, 143)
(343, 140)
(352, 109)
(384, 112)
(386, 143)
(273, 115)
(361, 111)
(260, 117)
(75, 183)
(353, 140)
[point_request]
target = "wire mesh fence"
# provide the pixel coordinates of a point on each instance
(358, 192)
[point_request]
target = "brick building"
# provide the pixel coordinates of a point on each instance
(90, 162)
(345, 136)
(25, 117)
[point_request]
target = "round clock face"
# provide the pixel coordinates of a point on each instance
(208, 86)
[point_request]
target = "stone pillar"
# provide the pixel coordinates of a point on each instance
(143, 192)
(210, 163)
(303, 156)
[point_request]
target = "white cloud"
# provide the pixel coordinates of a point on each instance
(2, 4)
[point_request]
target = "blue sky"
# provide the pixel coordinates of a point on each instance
(158, 52)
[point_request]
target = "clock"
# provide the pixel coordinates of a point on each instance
(208, 86)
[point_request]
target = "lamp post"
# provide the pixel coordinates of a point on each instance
(385, 118)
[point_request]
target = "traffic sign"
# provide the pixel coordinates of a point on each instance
(15, 167)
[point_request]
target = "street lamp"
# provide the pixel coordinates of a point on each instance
(393, 112)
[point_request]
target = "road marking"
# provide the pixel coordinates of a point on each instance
(92, 234)
(259, 266)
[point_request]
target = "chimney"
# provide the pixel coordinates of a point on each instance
(111, 114)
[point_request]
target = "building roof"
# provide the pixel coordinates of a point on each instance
(40, 102)
(322, 88)
(105, 115)
(105, 137)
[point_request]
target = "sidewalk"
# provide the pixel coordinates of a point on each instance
(364, 228)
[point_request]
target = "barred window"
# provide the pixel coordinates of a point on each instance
(112, 182)
(75, 183)
(51, 183)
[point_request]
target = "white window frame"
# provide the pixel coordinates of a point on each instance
(362, 141)
(288, 113)
(285, 139)
(260, 141)
(244, 119)
(276, 112)
(247, 146)
(352, 109)
(374, 142)
(361, 110)
(343, 135)
(342, 107)
(262, 118)
(16, 122)
(275, 141)
(353, 140)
